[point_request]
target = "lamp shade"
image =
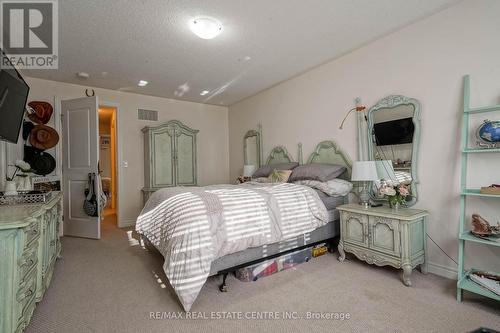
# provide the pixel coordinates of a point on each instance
(248, 170)
(385, 170)
(364, 171)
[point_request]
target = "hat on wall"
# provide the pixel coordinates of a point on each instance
(43, 137)
(42, 163)
(40, 112)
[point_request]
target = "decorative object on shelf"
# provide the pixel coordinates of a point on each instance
(40, 112)
(487, 280)
(396, 195)
(364, 172)
(493, 189)
(10, 188)
(41, 162)
(25, 184)
(10, 184)
(43, 137)
(488, 134)
(481, 227)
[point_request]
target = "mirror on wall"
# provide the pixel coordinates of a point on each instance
(252, 148)
(393, 138)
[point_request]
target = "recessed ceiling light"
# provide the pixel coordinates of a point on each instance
(142, 83)
(204, 92)
(205, 27)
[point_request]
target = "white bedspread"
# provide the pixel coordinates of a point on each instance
(192, 226)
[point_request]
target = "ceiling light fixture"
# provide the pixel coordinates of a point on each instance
(205, 27)
(204, 92)
(142, 83)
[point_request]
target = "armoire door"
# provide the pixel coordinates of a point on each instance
(185, 157)
(162, 145)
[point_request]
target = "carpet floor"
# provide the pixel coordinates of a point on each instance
(114, 285)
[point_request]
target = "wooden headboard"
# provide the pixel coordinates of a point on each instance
(329, 152)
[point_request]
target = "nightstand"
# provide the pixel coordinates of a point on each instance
(384, 236)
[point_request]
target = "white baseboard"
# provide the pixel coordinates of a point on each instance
(444, 271)
(124, 223)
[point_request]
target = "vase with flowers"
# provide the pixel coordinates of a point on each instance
(23, 169)
(396, 195)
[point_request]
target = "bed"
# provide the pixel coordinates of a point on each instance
(205, 231)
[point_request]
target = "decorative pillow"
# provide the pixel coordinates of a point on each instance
(333, 188)
(279, 176)
(320, 172)
(265, 170)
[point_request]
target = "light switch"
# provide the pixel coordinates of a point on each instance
(125, 164)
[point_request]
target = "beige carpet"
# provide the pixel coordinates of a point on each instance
(113, 284)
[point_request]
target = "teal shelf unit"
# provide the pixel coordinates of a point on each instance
(464, 283)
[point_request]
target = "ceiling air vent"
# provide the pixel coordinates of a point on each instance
(150, 115)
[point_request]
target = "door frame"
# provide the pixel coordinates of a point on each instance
(119, 158)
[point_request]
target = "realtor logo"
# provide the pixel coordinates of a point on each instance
(30, 33)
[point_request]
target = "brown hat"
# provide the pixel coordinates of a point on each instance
(43, 137)
(42, 112)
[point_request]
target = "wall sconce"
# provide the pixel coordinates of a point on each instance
(358, 108)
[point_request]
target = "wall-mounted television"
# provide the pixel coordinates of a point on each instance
(394, 132)
(13, 96)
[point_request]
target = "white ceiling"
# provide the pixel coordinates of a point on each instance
(134, 40)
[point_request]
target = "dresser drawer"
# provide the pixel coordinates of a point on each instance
(28, 262)
(26, 296)
(32, 232)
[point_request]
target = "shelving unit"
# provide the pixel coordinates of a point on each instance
(464, 283)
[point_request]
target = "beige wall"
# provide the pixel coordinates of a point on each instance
(212, 121)
(425, 61)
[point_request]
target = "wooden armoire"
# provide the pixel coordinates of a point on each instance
(169, 157)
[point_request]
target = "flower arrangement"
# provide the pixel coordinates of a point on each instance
(22, 166)
(396, 195)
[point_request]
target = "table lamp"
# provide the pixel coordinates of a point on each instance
(364, 172)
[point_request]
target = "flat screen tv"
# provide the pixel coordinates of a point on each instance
(13, 96)
(394, 132)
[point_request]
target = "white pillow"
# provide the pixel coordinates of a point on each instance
(334, 188)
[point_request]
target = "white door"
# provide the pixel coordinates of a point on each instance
(80, 130)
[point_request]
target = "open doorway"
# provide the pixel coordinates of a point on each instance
(108, 162)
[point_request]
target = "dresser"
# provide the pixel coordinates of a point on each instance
(169, 157)
(384, 236)
(29, 246)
